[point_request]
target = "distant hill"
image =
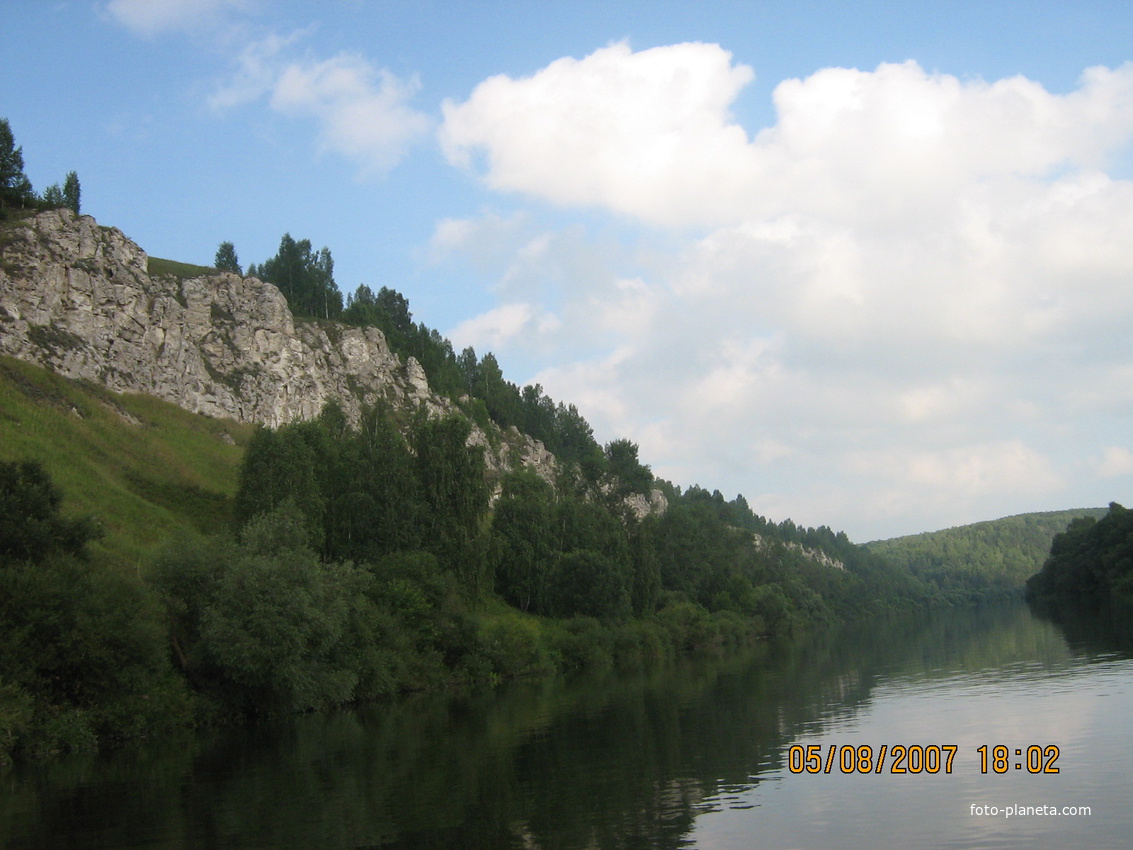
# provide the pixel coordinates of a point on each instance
(992, 558)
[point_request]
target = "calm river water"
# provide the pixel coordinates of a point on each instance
(696, 756)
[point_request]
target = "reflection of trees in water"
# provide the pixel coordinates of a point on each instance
(602, 761)
(1091, 627)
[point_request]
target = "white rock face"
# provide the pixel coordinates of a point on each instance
(77, 298)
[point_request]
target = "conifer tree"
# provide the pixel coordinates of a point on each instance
(15, 188)
(226, 259)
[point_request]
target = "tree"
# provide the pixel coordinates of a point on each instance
(455, 495)
(281, 466)
(305, 277)
(80, 643)
(626, 474)
(53, 197)
(226, 259)
(72, 191)
(1091, 561)
(469, 369)
(15, 188)
(587, 583)
(31, 527)
(263, 626)
(523, 531)
(67, 195)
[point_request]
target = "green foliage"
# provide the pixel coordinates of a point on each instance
(31, 528)
(82, 654)
(53, 197)
(515, 647)
(226, 259)
(278, 467)
(15, 188)
(455, 497)
(626, 474)
(524, 546)
(561, 428)
(645, 590)
(72, 192)
(982, 560)
(588, 583)
(67, 195)
(305, 277)
(263, 626)
(1091, 561)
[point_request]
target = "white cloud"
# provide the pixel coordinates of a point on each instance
(617, 129)
(1116, 461)
(258, 69)
(363, 112)
(493, 330)
(649, 134)
(150, 18)
(907, 306)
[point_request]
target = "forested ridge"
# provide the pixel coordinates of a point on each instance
(971, 563)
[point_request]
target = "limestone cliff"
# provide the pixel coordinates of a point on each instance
(78, 298)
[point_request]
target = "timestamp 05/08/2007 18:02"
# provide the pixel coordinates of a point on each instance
(914, 759)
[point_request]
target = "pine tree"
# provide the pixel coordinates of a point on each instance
(15, 188)
(72, 191)
(226, 259)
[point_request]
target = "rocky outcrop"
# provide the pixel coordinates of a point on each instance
(79, 299)
(816, 555)
(642, 505)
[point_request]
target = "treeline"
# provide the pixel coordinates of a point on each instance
(984, 560)
(364, 563)
(16, 190)
(1091, 562)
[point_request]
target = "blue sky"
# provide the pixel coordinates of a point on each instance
(866, 263)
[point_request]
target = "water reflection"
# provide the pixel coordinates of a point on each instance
(690, 756)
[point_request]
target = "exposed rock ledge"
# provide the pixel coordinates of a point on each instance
(78, 298)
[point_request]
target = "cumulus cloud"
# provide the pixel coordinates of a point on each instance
(903, 305)
(649, 134)
(617, 129)
(363, 112)
(150, 18)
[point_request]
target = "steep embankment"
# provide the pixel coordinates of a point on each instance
(80, 300)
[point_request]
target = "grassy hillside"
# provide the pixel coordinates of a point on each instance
(146, 468)
(157, 266)
(994, 557)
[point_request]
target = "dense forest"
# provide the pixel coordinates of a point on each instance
(1091, 562)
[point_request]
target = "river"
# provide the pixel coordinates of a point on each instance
(730, 753)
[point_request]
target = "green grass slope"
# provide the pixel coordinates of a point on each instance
(993, 558)
(146, 468)
(157, 266)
